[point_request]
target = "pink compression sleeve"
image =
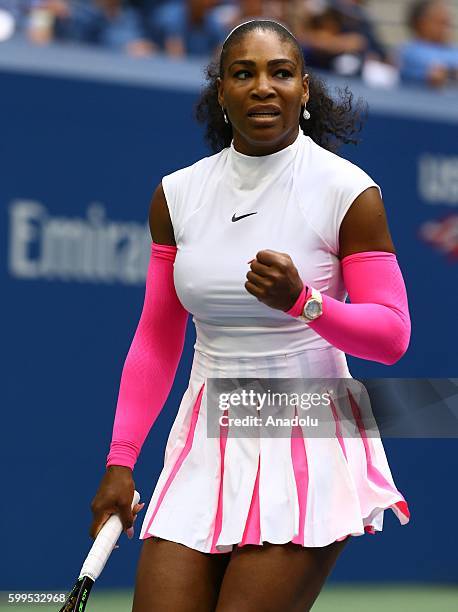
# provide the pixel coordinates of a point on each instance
(376, 325)
(152, 360)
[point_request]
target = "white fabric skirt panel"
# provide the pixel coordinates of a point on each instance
(214, 493)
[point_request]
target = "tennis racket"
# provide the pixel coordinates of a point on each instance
(104, 543)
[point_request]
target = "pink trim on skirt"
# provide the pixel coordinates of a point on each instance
(372, 472)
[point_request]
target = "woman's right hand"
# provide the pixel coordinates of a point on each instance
(114, 496)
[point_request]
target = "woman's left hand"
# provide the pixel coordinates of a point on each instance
(274, 280)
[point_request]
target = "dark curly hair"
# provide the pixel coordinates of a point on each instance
(333, 122)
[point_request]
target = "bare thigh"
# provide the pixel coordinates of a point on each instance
(173, 577)
(276, 577)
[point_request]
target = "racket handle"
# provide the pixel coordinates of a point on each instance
(103, 545)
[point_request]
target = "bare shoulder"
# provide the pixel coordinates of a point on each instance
(365, 226)
(160, 224)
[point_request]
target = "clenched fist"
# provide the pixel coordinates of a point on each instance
(274, 280)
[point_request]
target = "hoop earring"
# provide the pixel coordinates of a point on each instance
(306, 114)
(225, 116)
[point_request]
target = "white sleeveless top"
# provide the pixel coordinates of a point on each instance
(300, 196)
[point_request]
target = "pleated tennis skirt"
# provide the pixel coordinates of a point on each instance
(217, 492)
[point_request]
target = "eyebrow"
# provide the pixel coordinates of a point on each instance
(270, 63)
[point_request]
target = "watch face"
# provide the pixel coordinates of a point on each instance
(313, 309)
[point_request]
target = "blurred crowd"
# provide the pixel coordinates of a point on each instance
(336, 35)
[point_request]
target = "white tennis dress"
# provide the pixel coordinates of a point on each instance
(216, 492)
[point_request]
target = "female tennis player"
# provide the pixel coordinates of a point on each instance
(261, 242)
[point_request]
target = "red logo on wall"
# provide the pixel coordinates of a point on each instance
(442, 234)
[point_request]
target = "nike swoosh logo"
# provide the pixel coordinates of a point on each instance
(234, 218)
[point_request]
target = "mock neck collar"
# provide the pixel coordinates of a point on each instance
(248, 171)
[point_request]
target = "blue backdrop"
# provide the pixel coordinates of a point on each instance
(80, 161)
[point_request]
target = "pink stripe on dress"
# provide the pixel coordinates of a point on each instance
(252, 532)
(219, 513)
(301, 474)
(184, 452)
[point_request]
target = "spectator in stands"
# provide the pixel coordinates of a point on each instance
(429, 58)
(324, 39)
(41, 19)
(187, 27)
(113, 24)
(146, 9)
(231, 14)
(356, 19)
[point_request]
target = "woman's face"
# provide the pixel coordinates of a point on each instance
(262, 74)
